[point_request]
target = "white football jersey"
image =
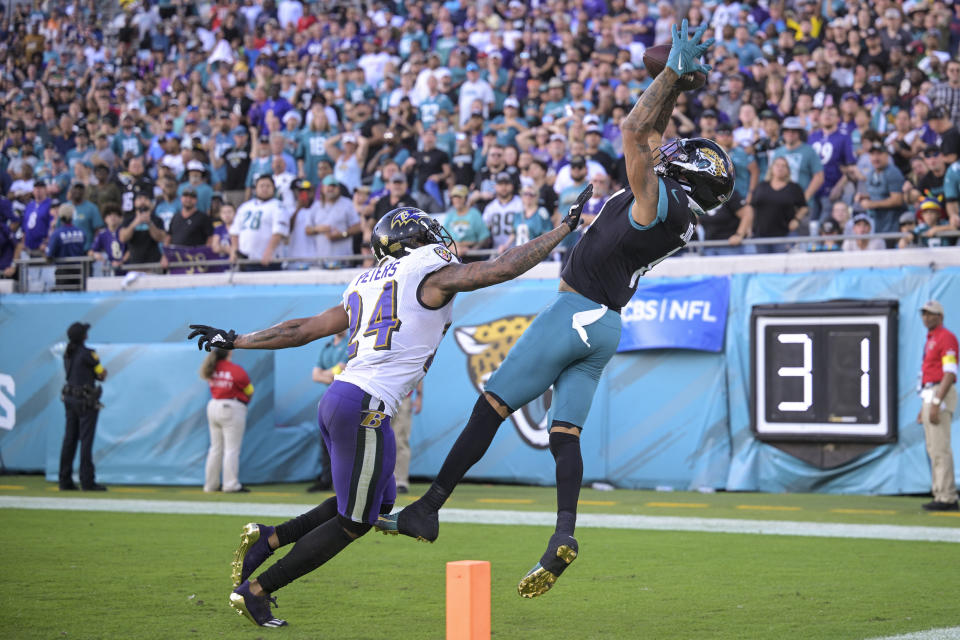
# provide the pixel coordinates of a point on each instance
(255, 222)
(392, 337)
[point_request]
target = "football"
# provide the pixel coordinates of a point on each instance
(655, 59)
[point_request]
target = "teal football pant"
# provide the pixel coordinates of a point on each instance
(567, 345)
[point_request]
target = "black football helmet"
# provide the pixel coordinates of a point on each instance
(702, 167)
(407, 228)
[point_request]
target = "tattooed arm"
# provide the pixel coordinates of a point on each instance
(296, 332)
(640, 129)
(441, 285)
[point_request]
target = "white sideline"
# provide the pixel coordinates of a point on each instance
(542, 518)
(949, 633)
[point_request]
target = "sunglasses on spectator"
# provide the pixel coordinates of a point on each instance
(143, 209)
(532, 194)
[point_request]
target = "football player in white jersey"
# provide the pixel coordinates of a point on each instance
(395, 314)
(259, 228)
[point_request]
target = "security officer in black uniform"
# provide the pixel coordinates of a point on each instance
(81, 397)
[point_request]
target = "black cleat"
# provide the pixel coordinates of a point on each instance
(256, 609)
(560, 554)
(417, 521)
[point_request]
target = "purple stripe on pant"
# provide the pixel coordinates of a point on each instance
(362, 451)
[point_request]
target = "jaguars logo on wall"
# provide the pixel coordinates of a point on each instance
(486, 346)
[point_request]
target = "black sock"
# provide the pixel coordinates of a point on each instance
(310, 552)
(466, 452)
(293, 530)
(565, 448)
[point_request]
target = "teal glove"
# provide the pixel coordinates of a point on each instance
(685, 52)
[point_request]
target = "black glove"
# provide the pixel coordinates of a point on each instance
(572, 219)
(212, 337)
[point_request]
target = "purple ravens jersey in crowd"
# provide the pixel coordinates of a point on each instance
(615, 251)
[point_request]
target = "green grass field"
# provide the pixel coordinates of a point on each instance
(91, 574)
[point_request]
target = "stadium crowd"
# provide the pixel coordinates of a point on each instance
(280, 132)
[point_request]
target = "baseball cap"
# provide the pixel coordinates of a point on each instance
(876, 145)
(78, 331)
(195, 165)
(829, 226)
(555, 83)
(794, 66)
(907, 218)
(557, 136)
(578, 161)
(240, 131)
(472, 66)
(862, 217)
(330, 180)
(932, 306)
(398, 177)
(931, 150)
(348, 137)
(769, 114)
(503, 176)
(850, 95)
(793, 123)
(459, 190)
(936, 113)
(511, 102)
(189, 191)
(724, 127)
(39, 183)
(709, 113)
(594, 129)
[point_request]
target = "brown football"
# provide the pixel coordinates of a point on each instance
(655, 59)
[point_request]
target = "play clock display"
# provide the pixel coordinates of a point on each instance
(824, 371)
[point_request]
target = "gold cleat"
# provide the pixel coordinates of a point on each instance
(539, 580)
(250, 534)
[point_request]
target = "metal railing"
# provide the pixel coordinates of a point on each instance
(37, 275)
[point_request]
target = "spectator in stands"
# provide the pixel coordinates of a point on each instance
(743, 163)
(107, 247)
(931, 183)
(835, 149)
(396, 196)
(86, 215)
(196, 180)
(190, 227)
(863, 226)
(532, 222)
(142, 230)
(37, 220)
(829, 230)
(948, 137)
(946, 95)
(431, 168)
(882, 195)
(501, 213)
(779, 205)
(806, 170)
(732, 221)
(301, 245)
(465, 223)
(933, 221)
(260, 227)
(908, 226)
(349, 160)
(335, 223)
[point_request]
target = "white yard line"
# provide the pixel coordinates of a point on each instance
(951, 633)
(541, 518)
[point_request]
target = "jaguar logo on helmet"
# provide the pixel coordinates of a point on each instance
(702, 167)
